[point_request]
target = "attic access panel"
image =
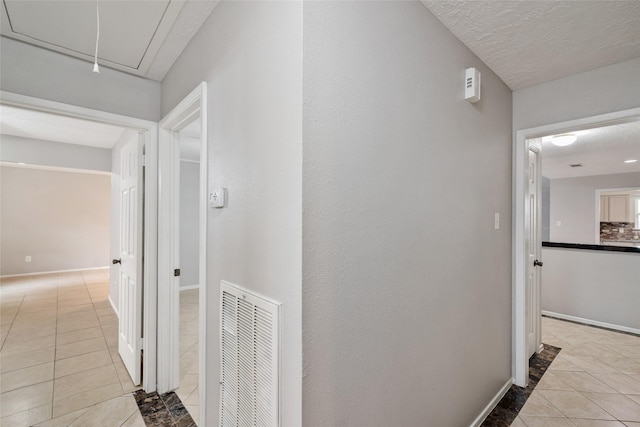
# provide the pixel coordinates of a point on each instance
(131, 32)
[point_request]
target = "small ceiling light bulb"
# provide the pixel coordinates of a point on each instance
(631, 161)
(96, 69)
(564, 139)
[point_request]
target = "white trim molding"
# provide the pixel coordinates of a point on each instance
(114, 307)
(189, 287)
(54, 168)
(54, 271)
(492, 404)
(519, 357)
(193, 106)
(591, 322)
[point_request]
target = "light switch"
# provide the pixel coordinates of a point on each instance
(217, 198)
(558, 223)
(496, 224)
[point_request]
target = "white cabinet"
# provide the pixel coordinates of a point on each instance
(604, 208)
(615, 209)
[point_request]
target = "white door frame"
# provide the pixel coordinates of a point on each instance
(192, 106)
(149, 131)
(519, 358)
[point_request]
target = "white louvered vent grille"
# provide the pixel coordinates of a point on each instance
(250, 359)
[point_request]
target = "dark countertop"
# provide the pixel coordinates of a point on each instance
(606, 248)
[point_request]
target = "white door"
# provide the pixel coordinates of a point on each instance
(533, 251)
(131, 250)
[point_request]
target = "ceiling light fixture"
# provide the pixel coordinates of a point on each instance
(631, 161)
(96, 69)
(564, 139)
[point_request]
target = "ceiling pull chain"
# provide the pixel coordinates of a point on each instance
(96, 69)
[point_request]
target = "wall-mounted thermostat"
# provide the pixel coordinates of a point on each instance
(217, 198)
(472, 85)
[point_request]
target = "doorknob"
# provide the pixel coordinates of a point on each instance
(537, 263)
(116, 261)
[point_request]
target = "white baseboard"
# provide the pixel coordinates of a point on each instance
(591, 322)
(189, 287)
(54, 271)
(114, 307)
(494, 402)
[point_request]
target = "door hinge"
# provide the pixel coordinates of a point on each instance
(141, 343)
(143, 160)
(176, 272)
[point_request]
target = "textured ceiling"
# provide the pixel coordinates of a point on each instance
(601, 151)
(141, 37)
(530, 42)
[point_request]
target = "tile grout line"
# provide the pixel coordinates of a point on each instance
(596, 403)
(590, 400)
(55, 348)
(11, 323)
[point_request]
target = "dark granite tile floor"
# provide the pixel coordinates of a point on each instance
(160, 410)
(507, 409)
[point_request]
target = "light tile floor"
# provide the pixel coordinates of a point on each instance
(593, 382)
(59, 362)
(189, 351)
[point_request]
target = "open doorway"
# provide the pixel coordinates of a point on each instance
(523, 314)
(182, 252)
(590, 213)
(189, 296)
(78, 120)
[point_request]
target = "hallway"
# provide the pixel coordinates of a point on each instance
(59, 353)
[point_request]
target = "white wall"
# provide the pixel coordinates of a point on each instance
(592, 285)
(60, 219)
(34, 71)
(546, 209)
(406, 284)
(250, 55)
(16, 149)
(189, 222)
(573, 203)
(603, 90)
